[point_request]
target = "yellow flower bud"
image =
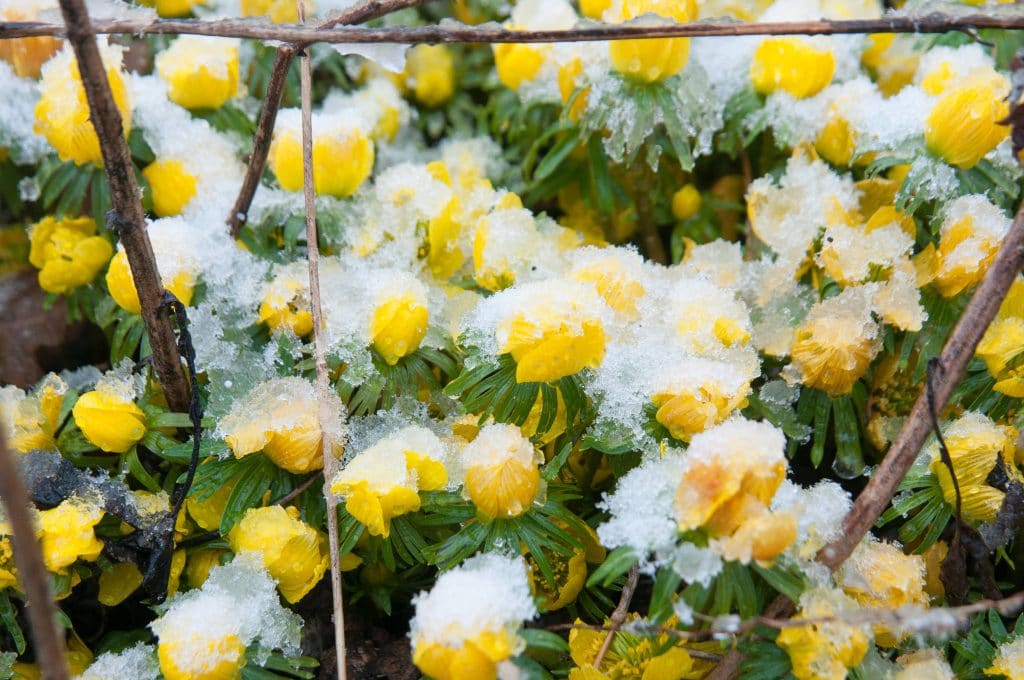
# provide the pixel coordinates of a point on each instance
(26, 55)
(208, 511)
(119, 583)
(820, 651)
(286, 301)
(68, 253)
(970, 236)
(279, 11)
(66, 534)
(399, 320)
(444, 232)
(686, 202)
(651, 61)
(556, 332)
(691, 411)
(594, 8)
(793, 65)
(192, 655)
(568, 74)
(502, 478)
(109, 420)
(963, 126)
(199, 564)
(122, 286)
(377, 486)
(879, 575)
(517, 63)
(430, 70)
(342, 160)
(30, 422)
(62, 113)
(201, 72)
(475, 658)
(1003, 342)
(617, 280)
(173, 8)
(293, 552)
(835, 142)
(171, 185)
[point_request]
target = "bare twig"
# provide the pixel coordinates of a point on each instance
(618, 616)
(1004, 17)
(365, 11)
(297, 491)
(127, 215)
(322, 383)
(32, 575)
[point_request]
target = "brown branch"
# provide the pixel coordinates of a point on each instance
(127, 215)
(32, 574)
(365, 11)
(323, 386)
(618, 616)
(297, 491)
(1004, 17)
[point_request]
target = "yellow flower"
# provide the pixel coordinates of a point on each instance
(835, 142)
(26, 55)
(616, 278)
(879, 575)
(33, 420)
(444, 232)
(1009, 660)
(77, 655)
(570, 571)
(122, 286)
(67, 253)
(342, 160)
(696, 408)
(594, 8)
(502, 478)
(281, 418)
(286, 301)
(975, 446)
(8, 570)
(110, 420)
(651, 61)
(399, 320)
(794, 65)
(66, 534)
(686, 202)
(892, 59)
(1003, 342)
(467, 624)
(171, 184)
(835, 345)
(731, 474)
(201, 72)
(555, 332)
(173, 8)
(629, 657)
(383, 482)
(430, 70)
(963, 126)
(62, 113)
(194, 655)
(517, 63)
(823, 651)
(568, 74)
(119, 583)
(293, 552)
(971, 234)
(279, 11)
(208, 511)
(199, 564)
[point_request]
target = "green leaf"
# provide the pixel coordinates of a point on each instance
(785, 580)
(257, 474)
(559, 152)
(618, 562)
(666, 583)
(9, 619)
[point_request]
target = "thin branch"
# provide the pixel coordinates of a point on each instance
(365, 11)
(619, 614)
(127, 215)
(32, 574)
(297, 491)
(1004, 17)
(322, 382)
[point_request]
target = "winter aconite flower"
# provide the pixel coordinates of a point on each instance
(201, 72)
(122, 286)
(109, 417)
(971, 232)
(556, 330)
(66, 533)
(467, 624)
(518, 63)
(823, 651)
(1009, 659)
(978, 447)
(384, 481)
(286, 300)
(963, 125)
(26, 55)
(281, 418)
(686, 202)
(293, 552)
(647, 657)
(171, 185)
(881, 575)
(68, 253)
(279, 11)
(793, 65)
(501, 474)
(33, 420)
(652, 61)
(430, 71)
(400, 318)
(1003, 343)
(62, 114)
(174, 8)
(342, 156)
